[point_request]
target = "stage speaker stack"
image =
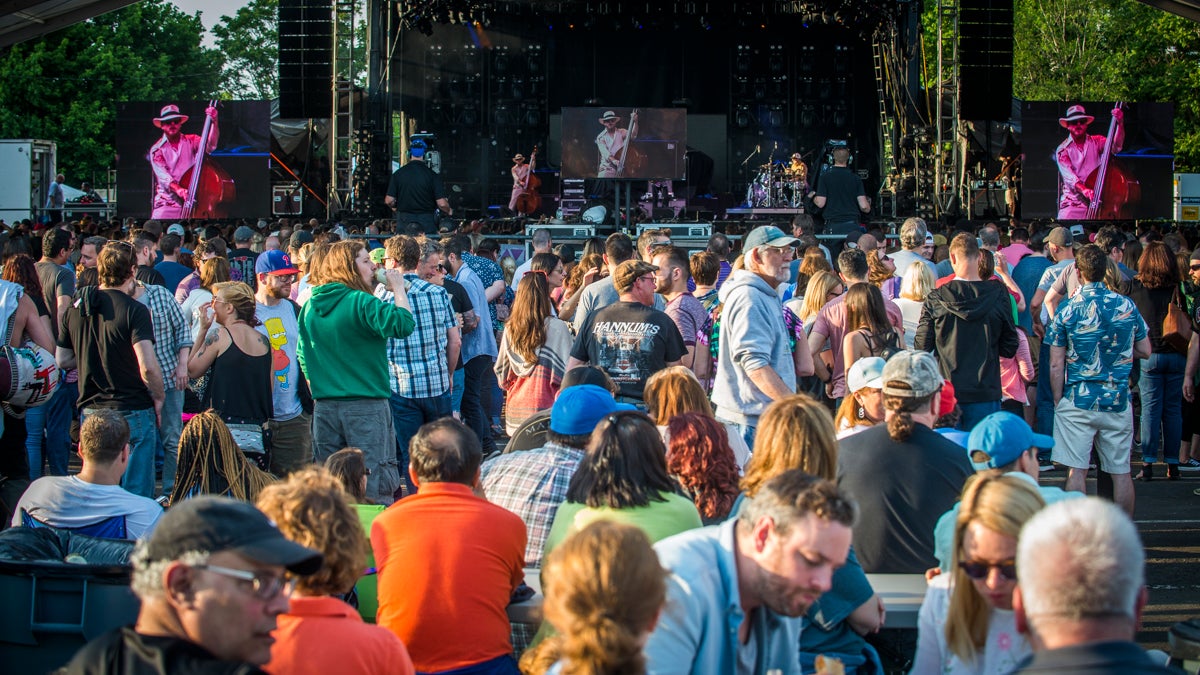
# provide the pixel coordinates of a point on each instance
(305, 59)
(985, 54)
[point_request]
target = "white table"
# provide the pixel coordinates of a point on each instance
(902, 595)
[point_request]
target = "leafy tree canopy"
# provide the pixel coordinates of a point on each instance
(64, 86)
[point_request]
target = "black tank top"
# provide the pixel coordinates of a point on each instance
(240, 389)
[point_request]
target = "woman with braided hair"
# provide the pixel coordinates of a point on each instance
(604, 591)
(210, 463)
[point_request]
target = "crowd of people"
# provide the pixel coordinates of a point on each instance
(362, 445)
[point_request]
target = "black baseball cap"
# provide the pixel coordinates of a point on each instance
(216, 524)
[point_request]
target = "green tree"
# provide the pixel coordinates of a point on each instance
(64, 86)
(249, 41)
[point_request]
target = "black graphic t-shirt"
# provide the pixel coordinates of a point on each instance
(630, 341)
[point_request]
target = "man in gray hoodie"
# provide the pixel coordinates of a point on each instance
(754, 360)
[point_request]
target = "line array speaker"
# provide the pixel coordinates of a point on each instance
(305, 58)
(985, 53)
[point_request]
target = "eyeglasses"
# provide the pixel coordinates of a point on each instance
(1194, 268)
(265, 586)
(649, 277)
(172, 123)
(979, 570)
(1077, 124)
(285, 278)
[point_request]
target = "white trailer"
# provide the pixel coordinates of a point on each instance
(1187, 196)
(27, 168)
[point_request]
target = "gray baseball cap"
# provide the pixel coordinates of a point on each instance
(917, 371)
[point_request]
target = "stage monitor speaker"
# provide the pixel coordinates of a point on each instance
(305, 59)
(985, 56)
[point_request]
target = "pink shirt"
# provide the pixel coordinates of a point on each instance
(1016, 372)
(831, 322)
(1014, 252)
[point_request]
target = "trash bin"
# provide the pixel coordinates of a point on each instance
(53, 607)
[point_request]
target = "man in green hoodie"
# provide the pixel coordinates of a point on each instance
(343, 350)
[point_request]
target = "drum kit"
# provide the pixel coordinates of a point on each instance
(778, 186)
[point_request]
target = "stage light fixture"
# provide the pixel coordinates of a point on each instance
(704, 23)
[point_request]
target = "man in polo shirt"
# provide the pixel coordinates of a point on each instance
(420, 364)
(629, 340)
(278, 317)
(447, 542)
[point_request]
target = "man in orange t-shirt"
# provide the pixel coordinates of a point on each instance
(448, 559)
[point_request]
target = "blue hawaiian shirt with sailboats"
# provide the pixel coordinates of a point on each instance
(1098, 328)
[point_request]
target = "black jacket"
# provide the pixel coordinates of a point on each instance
(968, 325)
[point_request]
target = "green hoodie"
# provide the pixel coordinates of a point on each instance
(343, 342)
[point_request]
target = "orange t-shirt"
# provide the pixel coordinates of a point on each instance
(321, 635)
(448, 562)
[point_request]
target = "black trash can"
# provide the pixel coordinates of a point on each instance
(54, 607)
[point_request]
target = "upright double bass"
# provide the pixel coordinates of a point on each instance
(1114, 189)
(210, 187)
(530, 200)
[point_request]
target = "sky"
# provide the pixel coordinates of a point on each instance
(210, 12)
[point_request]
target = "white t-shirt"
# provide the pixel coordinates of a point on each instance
(70, 503)
(279, 324)
(1003, 650)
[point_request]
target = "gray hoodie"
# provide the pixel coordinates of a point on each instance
(752, 336)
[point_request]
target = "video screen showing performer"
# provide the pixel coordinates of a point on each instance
(630, 143)
(1097, 161)
(193, 159)
(173, 155)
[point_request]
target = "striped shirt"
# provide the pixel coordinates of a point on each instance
(171, 331)
(417, 364)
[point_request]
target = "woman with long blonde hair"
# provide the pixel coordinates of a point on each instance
(534, 348)
(966, 623)
(604, 589)
(918, 282)
(797, 433)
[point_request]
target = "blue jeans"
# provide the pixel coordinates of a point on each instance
(1045, 397)
(1161, 386)
(972, 413)
(143, 444)
(408, 414)
(50, 423)
(477, 398)
(172, 426)
(458, 380)
(746, 430)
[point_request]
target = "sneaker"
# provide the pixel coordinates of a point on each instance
(1172, 472)
(1190, 465)
(1147, 472)
(1044, 464)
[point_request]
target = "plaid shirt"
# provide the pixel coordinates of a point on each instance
(489, 272)
(532, 484)
(171, 331)
(417, 364)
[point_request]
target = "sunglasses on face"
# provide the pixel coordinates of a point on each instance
(979, 570)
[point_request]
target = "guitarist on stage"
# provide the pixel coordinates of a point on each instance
(171, 157)
(1079, 156)
(612, 142)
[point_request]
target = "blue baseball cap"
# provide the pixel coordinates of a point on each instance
(417, 148)
(578, 409)
(274, 262)
(1004, 437)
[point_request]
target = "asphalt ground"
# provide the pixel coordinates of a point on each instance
(1167, 515)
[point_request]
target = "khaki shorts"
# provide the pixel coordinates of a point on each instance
(1075, 431)
(1035, 352)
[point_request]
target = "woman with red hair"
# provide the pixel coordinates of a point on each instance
(700, 458)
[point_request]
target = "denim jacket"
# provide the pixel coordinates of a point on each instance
(698, 630)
